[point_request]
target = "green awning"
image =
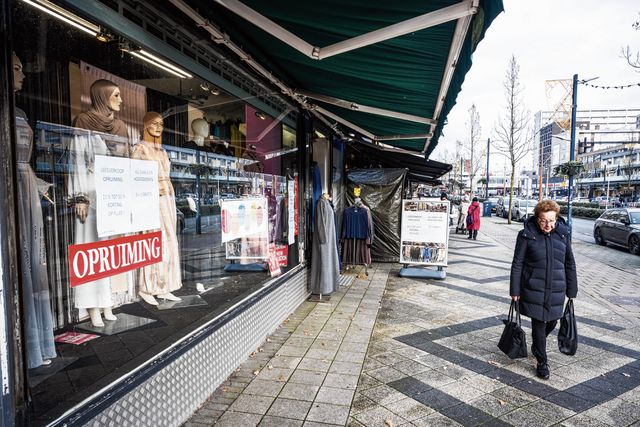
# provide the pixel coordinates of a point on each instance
(402, 75)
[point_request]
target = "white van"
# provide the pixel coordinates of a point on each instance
(522, 209)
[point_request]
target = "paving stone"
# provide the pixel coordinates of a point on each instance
(337, 396)
(466, 415)
(539, 413)
(492, 405)
(409, 409)
(289, 408)
(379, 417)
(616, 412)
(279, 422)
(318, 365)
(288, 362)
(350, 356)
(328, 413)
(386, 374)
(292, 351)
(383, 395)
(238, 419)
(340, 367)
(315, 353)
(307, 377)
(435, 420)
(461, 391)
(361, 403)
(264, 387)
(252, 404)
(341, 381)
(299, 391)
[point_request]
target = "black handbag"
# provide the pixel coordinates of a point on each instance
(568, 333)
(513, 341)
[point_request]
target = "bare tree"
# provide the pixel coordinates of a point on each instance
(628, 162)
(632, 59)
(513, 132)
(473, 147)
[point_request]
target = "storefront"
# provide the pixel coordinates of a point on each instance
(159, 188)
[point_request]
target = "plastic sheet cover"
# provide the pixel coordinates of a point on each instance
(381, 191)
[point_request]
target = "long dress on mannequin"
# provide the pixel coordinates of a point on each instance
(163, 277)
(35, 281)
(83, 150)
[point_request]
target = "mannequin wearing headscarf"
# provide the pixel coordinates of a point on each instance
(100, 118)
(35, 281)
(162, 278)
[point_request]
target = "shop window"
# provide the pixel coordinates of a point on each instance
(144, 212)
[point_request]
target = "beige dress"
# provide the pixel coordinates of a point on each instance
(163, 277)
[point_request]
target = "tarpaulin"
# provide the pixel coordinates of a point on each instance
(381, 192)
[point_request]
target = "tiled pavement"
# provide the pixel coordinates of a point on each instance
(391, 351)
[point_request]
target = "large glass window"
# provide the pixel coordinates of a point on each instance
(150, 201)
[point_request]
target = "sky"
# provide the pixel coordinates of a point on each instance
(551, 39)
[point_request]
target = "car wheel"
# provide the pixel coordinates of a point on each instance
(597, 235)
(634, 245)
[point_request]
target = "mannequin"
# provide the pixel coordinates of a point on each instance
(39, 322)
(105, 102)
(200, 129)
(162, 278)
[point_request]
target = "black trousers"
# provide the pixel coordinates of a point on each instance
(473, 234)
(539, 332)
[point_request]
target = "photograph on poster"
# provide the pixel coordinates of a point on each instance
(424, 232)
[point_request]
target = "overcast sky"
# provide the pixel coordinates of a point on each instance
(551, 39)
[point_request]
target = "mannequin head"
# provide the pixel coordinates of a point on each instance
(105, 97)
(153, 127)
(18, 74)
(200, 128)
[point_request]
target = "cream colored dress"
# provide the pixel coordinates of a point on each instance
(163, 277)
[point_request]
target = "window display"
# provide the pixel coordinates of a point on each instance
(145, 210)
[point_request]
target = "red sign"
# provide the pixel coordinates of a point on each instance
(75, 338)
(282, 251)
(97, 260)
(274, 267)
(295, 208)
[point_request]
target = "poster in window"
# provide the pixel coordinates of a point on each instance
(424, 233)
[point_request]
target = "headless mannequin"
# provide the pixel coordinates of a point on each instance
(200, 129)
(154, 279)
(105, 101)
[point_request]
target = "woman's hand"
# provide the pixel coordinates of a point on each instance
(82, 209)
(515, 297)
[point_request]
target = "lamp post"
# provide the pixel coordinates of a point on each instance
(486, 191)
(572, 152)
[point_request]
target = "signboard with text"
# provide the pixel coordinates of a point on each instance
(424, 235)
(92, 261)
(127, 195)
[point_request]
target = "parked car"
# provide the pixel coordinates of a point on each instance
(494, 202)
(619, 227)
(501, 209)
(522, 209)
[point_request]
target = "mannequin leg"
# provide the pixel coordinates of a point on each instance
(149, 299)
(108, 314)
(169, 296)
(96, 318)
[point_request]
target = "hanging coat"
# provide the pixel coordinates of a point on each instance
(474, 211)
(543, 271)
(325, 267)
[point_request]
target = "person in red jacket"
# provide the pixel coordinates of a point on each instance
(473, 219)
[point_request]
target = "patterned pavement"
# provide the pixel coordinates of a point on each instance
(391, 351)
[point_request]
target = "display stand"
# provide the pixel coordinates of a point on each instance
(124, 323)
(185, 301)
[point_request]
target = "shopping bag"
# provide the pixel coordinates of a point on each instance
(568, 333)
(513, 341)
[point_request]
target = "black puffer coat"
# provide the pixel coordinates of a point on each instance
(543, 271)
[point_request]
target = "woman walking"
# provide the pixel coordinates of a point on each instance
(543, 272)
(474, 213)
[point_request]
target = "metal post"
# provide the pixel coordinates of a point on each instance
(486, 192)
(461, 188)
(572, 153)
(198, 195)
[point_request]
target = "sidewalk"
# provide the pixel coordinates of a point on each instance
(391, 351)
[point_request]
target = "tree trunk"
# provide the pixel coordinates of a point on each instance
(513, 174)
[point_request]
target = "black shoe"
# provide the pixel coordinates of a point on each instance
(542, 370)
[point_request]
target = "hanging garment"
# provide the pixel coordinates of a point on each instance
(325, 268)
(316, 182)
(356, 235)
(163, 277)
(35, 282)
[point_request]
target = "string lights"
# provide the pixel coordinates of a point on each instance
(583, 82)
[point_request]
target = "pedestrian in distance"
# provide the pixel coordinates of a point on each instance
(473, 219)
(543, 272)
